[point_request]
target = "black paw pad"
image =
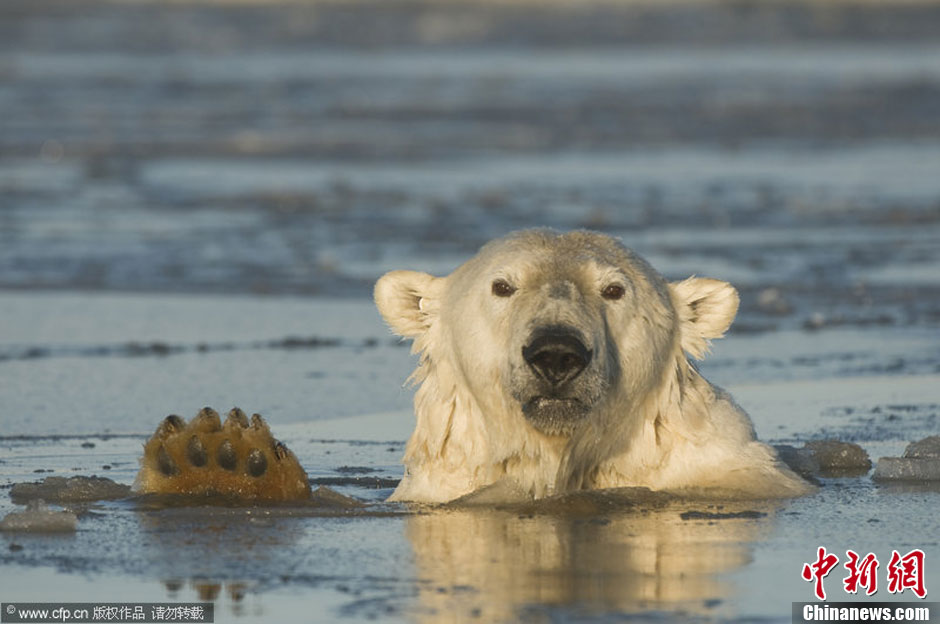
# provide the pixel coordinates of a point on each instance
(196, 452)
(165, 463)
(225, 456)
(257, 463)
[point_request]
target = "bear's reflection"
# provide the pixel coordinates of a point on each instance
(488, 563)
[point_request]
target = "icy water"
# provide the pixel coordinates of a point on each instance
(79, 400)
(195, 200)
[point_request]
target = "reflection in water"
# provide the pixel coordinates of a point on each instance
(497, 564)
(218, 551)
(202, 590)
(209, 544)
(600, 552)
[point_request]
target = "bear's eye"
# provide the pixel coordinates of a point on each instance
(502, 288)
(613, 292)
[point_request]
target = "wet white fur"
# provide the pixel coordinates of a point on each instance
(661, 424)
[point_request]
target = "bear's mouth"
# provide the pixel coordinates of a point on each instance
(554, 415)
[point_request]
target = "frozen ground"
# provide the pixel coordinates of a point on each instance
(196, 199)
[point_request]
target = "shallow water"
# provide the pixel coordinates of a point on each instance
(177, 180)
(602, 557)
(275, 148)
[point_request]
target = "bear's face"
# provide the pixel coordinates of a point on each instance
(547, 328)
(559, 325)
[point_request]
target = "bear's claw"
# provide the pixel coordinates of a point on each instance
(170, 425)
(237, 458)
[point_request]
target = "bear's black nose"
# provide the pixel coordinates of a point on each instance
(556, 354)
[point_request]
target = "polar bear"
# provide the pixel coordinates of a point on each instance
(554, 362)
(549, 363)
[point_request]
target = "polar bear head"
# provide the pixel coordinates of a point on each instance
(538, 338)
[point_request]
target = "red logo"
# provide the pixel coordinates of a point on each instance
(864, 573)
(907, 572)
(818, 570)
(904, 572)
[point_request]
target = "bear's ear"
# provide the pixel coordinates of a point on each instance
(408, 301)
(706, 308)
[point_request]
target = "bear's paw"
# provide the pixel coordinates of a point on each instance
(239, 458)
